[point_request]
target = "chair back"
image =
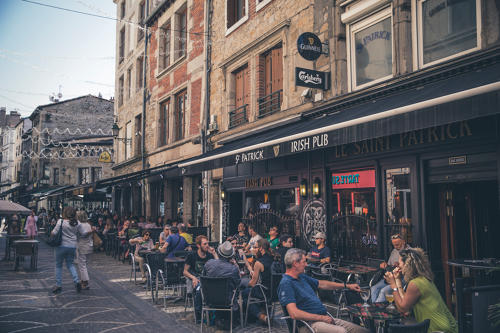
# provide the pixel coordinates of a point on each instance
(372, 262)
(24, 249)
(413, 328)
(275, 282)
(181, 254)
(216, 292)
(155, 261)
(173, 272)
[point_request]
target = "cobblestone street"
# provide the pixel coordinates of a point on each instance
(112, 303)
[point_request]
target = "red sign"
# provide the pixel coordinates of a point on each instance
(357, 179)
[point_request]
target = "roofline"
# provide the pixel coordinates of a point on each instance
(40, 107)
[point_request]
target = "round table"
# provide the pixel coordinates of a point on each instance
(374, 312)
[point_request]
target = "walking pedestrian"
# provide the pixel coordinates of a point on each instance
(66, 251)
(85, 246)
(30, 226)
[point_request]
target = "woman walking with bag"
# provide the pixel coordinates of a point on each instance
(84, 247)
(66, 251)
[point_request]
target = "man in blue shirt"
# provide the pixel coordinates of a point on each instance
(320, 253)
(174, 243)
(297, 292)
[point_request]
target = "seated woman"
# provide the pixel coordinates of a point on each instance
(421, 295)
(164, 234)
(261, 272)
(141, 243)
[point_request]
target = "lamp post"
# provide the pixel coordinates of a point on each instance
(116, 130)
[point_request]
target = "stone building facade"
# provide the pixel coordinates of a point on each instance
(8, 122)
(168, 123)
(67, 140)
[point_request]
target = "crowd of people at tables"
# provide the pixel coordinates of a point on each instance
(408, 276)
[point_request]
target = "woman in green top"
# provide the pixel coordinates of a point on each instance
(273, 238)
(421, 295)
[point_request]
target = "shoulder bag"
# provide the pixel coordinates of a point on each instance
(56, 240)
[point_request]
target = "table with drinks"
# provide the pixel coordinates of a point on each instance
(376, 315)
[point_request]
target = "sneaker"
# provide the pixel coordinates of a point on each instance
(56, 290)
(85, 285)
(78, 287)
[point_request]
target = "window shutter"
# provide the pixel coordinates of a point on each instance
(268, 75)
(246, 86)
(277, 69)
(239, 89)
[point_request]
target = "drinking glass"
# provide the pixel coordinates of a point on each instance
(390, 298)
(365, 295)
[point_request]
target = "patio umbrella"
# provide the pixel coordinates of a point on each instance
(9, 207)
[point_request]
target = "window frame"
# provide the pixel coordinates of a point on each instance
(121, 87)
(139, 71)
(142, 17)
(180, 48)
(163, 122)
(81, 172)
(180, 116)
(261, 4)
(129, 82)
(417, 27)
(166, 43)
(121, 47)
(238, 23)
(55, 178)
(357, 26)
(123, 9)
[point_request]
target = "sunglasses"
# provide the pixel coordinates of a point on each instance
(396, 236)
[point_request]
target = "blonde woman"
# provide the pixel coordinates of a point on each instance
(85, 247)
(421, 295)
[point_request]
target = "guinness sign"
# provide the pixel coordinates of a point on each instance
(312, 79)
(309, 46)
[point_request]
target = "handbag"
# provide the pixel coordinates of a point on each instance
(97, 240)
(56, 240)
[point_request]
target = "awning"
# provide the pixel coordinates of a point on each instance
(428, 103)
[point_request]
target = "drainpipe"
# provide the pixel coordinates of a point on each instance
(144, 101)
(206, 116)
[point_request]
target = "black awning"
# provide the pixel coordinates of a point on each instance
(462, 96)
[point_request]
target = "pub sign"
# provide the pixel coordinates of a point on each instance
(309, 46)
(312, 79)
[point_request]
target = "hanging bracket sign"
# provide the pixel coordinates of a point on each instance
(309, 46)
(312, 79)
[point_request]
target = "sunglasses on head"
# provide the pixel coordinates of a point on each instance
(396, 236)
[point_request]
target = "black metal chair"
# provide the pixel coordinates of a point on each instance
(170, 277)
(261, 291)
(294, 324)
(109, 239)
(153, 264)
(413, 328)
(22, 249)
(273, 292)
(217, 294)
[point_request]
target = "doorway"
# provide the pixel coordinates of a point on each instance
(462, 224)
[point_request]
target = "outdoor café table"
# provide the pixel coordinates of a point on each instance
(374, 312)
(26, 247)
(356, 270)
(10, 242)
(483, 267)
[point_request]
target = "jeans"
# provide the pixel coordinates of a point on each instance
(379, 290)
(68, 254)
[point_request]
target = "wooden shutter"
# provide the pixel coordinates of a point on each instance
(239, 89)
(246, 85)
(277, 69)
(267, 74)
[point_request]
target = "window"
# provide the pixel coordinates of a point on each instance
(142, 16)
(371, 49)
(398, 187)
(236, 11)
(129, 81)
(128, 141)
(120, 91)
(121, 55)
(96, 174)
(270, 83)
(55, 179)
(123, 5)
(139, 73)
(165, 37)
(446, 29)
(83, 176)
(180, 109)
(239, 115)
(181, 33)
(138, 134)
(46, 172)
(261, 4)
(163, 123)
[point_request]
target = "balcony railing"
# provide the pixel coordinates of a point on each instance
(238, 116)
(270, 104)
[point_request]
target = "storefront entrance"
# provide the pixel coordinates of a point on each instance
(463, 224)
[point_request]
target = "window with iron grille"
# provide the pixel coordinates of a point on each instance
(180, 110)
(270, 83)
(239, 114)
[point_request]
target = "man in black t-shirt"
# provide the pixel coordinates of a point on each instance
(320, 253)
(195, 262)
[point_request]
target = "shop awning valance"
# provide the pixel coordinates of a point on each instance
(436, 101)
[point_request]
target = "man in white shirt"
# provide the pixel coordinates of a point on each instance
(254, 238)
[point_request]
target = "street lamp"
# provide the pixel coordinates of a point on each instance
(116, 130)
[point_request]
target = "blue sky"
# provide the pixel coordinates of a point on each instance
(43, 48)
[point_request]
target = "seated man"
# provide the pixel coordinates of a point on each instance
(223, 267)
(164, 234)
(254, 238)
(273, 238)
(183, 233)
(297, 293)
(195, 262)
(241, 236)
(142, 243)
(381, 288)
(320, 253)
(286, 243)
(173, 243)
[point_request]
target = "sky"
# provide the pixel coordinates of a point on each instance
(45, 49)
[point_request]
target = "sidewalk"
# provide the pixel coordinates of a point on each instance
(112, 303)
